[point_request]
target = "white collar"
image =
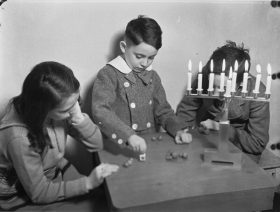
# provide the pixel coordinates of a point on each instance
(120, 64)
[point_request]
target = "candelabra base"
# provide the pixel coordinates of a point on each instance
(244, 95)
(199, 92)
(210, 93)
(188, 92)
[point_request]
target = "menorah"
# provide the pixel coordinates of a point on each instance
(222, 155)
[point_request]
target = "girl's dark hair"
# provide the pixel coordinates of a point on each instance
(43, 89)
(230, 52)
(144, 29)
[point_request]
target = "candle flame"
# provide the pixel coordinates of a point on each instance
(235, 65)
(258, 67)
(268, 69)
(200, 66)
(190, 65)
(211, 65)
(224, 65)
(246, 65)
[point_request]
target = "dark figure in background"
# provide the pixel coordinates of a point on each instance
(249, 120)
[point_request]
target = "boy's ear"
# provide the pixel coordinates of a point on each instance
(123, 46)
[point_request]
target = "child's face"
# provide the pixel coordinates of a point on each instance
(217, 83)
(61, 112)
(138, 57)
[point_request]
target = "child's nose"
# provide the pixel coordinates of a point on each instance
(144, 62)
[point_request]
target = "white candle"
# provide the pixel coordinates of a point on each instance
(258, 79)
(222, 78)
(268, 79)
(189, 88)
(234, 75)
(245, 77)
(228, 88)
(199, 88)
(211, 77)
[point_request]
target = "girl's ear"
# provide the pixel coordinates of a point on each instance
(123, 46)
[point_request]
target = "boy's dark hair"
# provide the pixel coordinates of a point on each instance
(144, 29)
(231, 53)
(43, 89)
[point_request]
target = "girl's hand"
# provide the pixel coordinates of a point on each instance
(137, 143)
(182, 137)
(98, 174)
(76, 115)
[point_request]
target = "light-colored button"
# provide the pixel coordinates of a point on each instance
(148, 124)
(120, 141)
(150, 102)
(132, 105)
(126, 84)
(114, 136)
(100, 123)
(134, 126)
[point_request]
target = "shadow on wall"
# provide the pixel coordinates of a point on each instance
(115, 46)
(113, 53)
(76, 153)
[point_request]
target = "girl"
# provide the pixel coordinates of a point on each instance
(33, 134)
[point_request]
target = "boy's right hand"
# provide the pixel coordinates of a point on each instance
(98, 174)
(137, 143)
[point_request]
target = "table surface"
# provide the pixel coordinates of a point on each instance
(184, 185)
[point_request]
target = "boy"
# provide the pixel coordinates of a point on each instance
(128, 97)
(249, 120)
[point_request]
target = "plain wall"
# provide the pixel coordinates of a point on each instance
(83, 35)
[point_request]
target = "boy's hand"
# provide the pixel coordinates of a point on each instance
(210, 124)
(182, 137)
(97, 175)
(76, 115)
(137, 143)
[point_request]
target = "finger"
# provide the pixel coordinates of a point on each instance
(143, 148)
(178, 140)
(189, 138)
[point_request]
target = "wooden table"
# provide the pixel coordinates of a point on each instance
(185, 185)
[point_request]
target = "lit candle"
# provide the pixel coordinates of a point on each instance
(234, 75)
(245, 77)
(222, 78)
(199, 88)
(189, 88)
(228, 88)
(211, 76)
(268, 79)
(258, 79)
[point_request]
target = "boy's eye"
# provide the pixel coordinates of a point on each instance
(139, 56)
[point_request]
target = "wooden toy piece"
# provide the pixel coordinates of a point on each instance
(154, 138)
(159, 137)
(168, 157)
(184, 155)
(128, 163)
(174, 155)
(142, 157)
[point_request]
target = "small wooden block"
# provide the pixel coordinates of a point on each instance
(142, 157)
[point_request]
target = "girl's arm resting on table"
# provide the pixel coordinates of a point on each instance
(87, 132)
(29, 169)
